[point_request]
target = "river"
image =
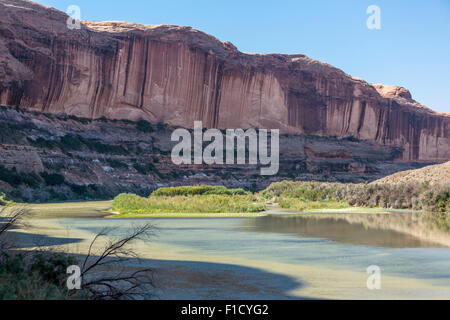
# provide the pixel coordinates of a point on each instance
(284, 255)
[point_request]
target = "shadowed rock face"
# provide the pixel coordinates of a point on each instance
(178, 74)
(101, 158)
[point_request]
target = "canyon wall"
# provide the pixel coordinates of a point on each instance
(177, 75)
(47, 157)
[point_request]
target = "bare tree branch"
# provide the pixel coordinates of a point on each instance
(10, 218)
(121, 284)
(104, 274)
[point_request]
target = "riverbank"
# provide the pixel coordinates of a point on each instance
(82, 209)
(299, 196)
(183, 271)
(102, 209)
(421, 225)
(206, 201)
(185, 215)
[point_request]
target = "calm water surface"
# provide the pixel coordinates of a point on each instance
(339, 241)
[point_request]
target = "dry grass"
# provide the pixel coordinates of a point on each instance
(435, 174)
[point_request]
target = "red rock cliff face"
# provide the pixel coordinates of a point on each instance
(178, 75)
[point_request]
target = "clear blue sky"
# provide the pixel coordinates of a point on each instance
(412, 49)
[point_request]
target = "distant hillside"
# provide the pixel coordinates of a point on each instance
(434, 174)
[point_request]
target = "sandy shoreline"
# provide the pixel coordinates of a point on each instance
(177, 276)
(197, 276)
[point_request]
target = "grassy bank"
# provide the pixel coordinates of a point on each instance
(321, 195)
(304, 205)
(296, 195)
(5, 201)
(190, 215)
(189, 200)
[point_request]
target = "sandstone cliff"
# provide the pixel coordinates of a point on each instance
(57, 157)
(178, 74)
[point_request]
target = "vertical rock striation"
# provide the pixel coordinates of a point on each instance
(177, 75)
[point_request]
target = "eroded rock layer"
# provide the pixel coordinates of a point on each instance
(47, 157)
(177, 75)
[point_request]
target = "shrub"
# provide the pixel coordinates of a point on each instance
(131, 203)
(70, 142)
(43, 143)
(79, 190)
(76, 142)
(308, 191)
(11, 133)
(100, 147)
(16, 195)
(90, 191)
(144, 126)
(114, 163)
(53, 267)
(160, 126)
(15, 178)
(53, 179)
(301, 205)
(40, 278)
(4, 201)
(10, 176)
(143, 169)
(435, 198)
(54, 195)
(197, 190)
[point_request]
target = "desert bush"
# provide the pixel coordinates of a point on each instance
(71, 142)
(79, 189)
(197, 190)
(11, 133)
(144, 126)
(34, 275)
(100, 147)
(43, 143)
(131, 203)
(435, 198)
(308, 191)
(161, 126)
(4, 201)
(53, 179)
(145, 168)
(15, 178)
(114, 163)
(42, 274)
(301, 205)
(76, 142)
(39, 277)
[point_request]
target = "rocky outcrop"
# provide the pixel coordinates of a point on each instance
(102, 158)
(20, 158)
(178, 74)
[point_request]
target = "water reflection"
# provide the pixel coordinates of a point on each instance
(394, 230)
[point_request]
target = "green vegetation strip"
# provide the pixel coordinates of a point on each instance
(320, 197)
(207, 200)
(189, 215)
(304, 196)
